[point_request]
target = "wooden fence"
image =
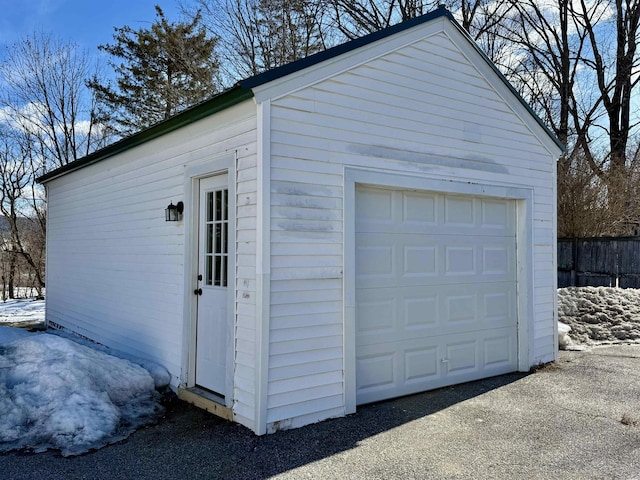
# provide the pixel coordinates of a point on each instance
(599, 262)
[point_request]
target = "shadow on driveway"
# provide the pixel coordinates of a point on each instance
(190, 443)
(566, 421)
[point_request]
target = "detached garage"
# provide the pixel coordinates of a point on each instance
(372, 221)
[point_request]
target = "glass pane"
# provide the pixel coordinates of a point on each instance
(208, 270)
(224, 271)
(225, 242)
(209, 206)
(218, 270)
(225, 209)
(218, 205)
(209, 238)
(218, 238)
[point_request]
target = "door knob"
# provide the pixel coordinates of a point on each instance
(197, 291)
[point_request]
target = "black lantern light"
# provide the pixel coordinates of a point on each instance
(173, 213)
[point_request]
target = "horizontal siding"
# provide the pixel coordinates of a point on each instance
(422, 110)
(116, 268)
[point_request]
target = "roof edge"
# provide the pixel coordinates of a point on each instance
(311, 60)
(243, 90)
(220, 102)
(513, 90)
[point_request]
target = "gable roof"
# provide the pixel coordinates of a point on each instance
(243, 90)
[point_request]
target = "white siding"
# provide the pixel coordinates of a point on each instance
(116, 268)
(425, 110)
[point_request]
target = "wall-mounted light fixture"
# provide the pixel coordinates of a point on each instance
(173, 213)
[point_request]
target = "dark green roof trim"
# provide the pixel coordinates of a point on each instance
(220, 102)
(338, 50)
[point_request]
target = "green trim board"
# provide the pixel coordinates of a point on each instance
(220, 102)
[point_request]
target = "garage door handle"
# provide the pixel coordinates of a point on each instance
(444, 360)
(197, 291)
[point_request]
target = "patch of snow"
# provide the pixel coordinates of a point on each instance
(30, 312)
(563, 335)
(18, 312)
(161, 377)
(600, 315)
(56, 393)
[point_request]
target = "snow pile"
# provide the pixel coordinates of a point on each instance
(600, 315)
(22, 312)
(55, 393)
(563, 336)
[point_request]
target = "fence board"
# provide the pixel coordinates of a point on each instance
(598, 262)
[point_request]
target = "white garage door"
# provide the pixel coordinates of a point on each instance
(435, 290)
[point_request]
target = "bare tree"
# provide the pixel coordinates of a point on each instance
(44, 93)
(614, 66)
(16, 181)
(47, 119)
(482, 19)
(258, 35)
(576, 63)
(359, 17)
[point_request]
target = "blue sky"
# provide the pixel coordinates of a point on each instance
(88, 23)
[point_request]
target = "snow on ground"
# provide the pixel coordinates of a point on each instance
(60, 394)
(22, 312)
(600, 315)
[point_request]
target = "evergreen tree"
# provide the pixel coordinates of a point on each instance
(159, 72)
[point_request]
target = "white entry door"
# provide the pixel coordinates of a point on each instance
(435, 290)
(213, 279)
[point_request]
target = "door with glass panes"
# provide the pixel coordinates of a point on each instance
(213, 279)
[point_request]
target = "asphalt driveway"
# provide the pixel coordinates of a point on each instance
(579, 418)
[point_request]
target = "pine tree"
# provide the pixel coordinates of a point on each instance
(159, 72)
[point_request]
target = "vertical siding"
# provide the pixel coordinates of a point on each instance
(116, 268)
(423, 110)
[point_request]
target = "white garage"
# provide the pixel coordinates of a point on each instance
(374, 220)
(435, 290)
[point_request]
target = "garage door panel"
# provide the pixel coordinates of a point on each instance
(384, 210)
(375, 370)
(402, 313)
(419, 261)
(410, 366)
(381, 210)
(384, 259)
(376, 209)
(419, 210)
(421, 365)
(377, 315)
(500, 351)
(497, 215)
(376, 262)
(461, 357)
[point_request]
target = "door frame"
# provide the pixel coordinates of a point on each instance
(208, 167)
(523, 197)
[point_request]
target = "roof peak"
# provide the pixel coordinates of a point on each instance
(296, 65)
